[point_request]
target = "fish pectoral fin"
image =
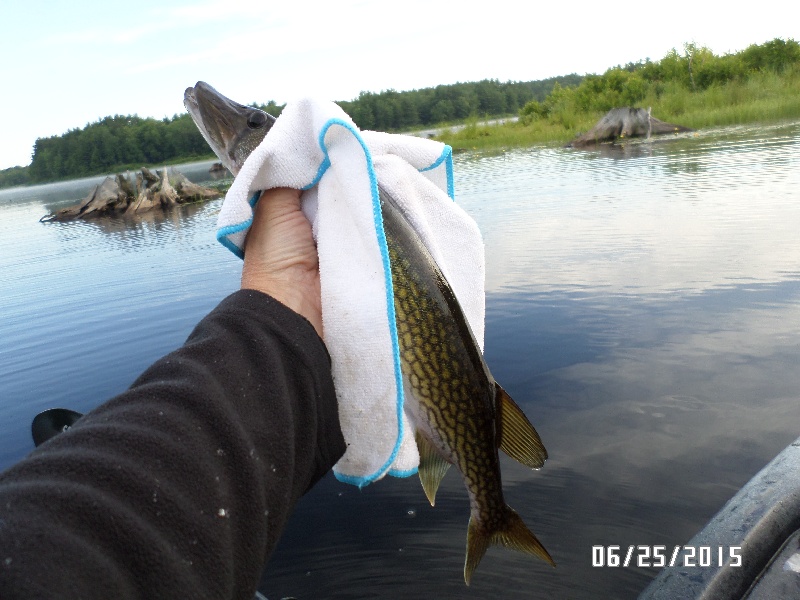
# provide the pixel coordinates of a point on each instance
(432, 467)
(516, 435)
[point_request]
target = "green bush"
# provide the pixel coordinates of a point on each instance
(14, 176)
(665, 82)
(776, 55)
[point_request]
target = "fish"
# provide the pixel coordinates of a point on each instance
(461, 414)
(232, 130)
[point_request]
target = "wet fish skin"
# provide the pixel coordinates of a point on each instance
(462, 416)
(232, 130)
(458, 408)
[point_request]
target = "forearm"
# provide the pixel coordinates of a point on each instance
(180, 486)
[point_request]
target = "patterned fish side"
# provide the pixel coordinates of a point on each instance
(462, 416)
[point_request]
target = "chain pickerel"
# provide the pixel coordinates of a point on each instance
(462, 416)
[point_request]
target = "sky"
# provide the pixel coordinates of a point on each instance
(68, 63)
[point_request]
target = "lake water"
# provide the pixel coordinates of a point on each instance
(643, 307)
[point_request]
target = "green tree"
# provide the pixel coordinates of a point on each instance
(776, 55)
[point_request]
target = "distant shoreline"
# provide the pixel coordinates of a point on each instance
(478, 135)
(693, 88)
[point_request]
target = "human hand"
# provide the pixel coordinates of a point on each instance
(280, 256)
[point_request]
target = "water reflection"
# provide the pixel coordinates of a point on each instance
(643, 308)
(571, 219)
(134, 229)
(626, 150)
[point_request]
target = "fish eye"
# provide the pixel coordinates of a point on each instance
(256, 119)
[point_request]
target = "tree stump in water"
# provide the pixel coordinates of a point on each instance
(167, 194)
(218, 171)
(625, 122)
(117, 195)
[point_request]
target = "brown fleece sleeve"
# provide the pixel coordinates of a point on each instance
(180, 486)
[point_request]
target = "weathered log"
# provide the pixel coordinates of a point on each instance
(138, 186)
(116, 195)
(124, 183)
(150, 177)
(105, 197)
(622, 123)
(191, 192)
(100, 196)
(65, 214)
(166, 193)
(144, 202)
(218, 171)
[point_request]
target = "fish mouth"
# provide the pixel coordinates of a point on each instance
(219, 119)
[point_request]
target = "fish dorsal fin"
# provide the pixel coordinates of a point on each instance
(432, 467)
(516, 435)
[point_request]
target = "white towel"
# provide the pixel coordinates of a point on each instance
(316, 147)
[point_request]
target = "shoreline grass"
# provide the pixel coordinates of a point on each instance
(762, 98)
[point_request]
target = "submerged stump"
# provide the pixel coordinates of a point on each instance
(218, 171)
(117, 195)
(625, 122)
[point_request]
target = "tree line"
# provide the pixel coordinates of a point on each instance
(119, 142)
(692, 71)
(113, 141)
(396, 111)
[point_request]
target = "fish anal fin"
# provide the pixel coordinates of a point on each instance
(477, 543)
(516, 436)
(513, 534)
(432, 467)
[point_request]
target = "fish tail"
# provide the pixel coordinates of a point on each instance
(512, 534)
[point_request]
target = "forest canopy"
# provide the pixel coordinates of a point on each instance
(120, 142)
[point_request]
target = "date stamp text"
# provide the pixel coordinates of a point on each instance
(644, 556)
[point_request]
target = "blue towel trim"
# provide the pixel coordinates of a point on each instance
(404, 474)
(320, 172)
(225, 241)
(445, 157)
(446, 151)
(451, 188)
(387, 274)
(352, 480)
(347, 479)
(359, 481)
(224, 233)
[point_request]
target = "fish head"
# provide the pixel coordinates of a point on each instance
(231, 129)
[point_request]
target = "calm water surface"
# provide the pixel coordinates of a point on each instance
(643, 308)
